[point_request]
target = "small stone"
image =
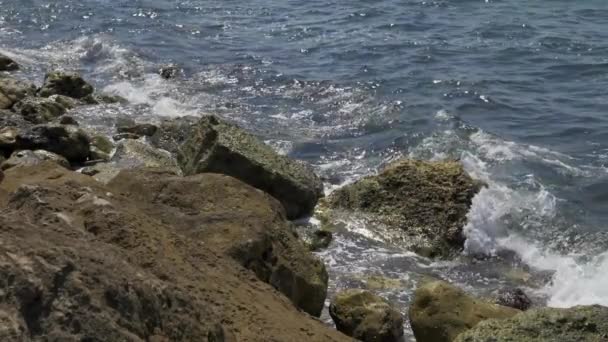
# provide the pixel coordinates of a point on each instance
(139, 129)
(123, 136)
(169, 71)
(7, 64)
(514, 298)
(65, 83)
(366, 317)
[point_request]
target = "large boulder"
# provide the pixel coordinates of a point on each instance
(82, 262)
(366, 317)
(135, 153)
(422, 204)
(7, 64)
(440, 312)
(577, 324)
(39, 110)
(237, 220)
(65, 83)
(68, 141)
(219, 147)
(13, 90)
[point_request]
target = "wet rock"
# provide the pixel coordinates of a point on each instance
(169, 71)
(138, 129)
(123, 136)
(7, 64)
(68, 141)
(101, 98)
(13, 90)
(320, 239)
(366, 317)
(423, 204)
(236, 220)
(514, 298)
(102, 143)
(134, 153)
(31, 158)
(172, 133)
(580, 323)
(67, 120)
(83, 262)
(219, 147)
(65, 83)
(39, 110)
(440, 312)
(8, 136)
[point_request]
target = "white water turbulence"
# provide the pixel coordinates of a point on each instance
(577, 278)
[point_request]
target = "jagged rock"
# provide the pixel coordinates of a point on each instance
(134, 153)
(169, 71)
(82, 262)
(423, 204)
(514, 298)
(172, 133)
(7, 64)
(138, 129)
(441, 311)
(366, 317)
(66, 101)
(124, 136)
(65, 83)
(219, 147)
(13, 90)
(577, 324)
(31, 158)
(38, 110)
(320, 239)
(237, 220)
(65, 140)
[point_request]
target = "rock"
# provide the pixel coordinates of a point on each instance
(101, 98)
(68, 141)
(7, 64)
(102, 143)
(366, 317)
(441, 311)
(67, 120)
(219, 147)
(580, 324)
(38, 110)
(172, 133)
(236, 220)
(134, 153)
(102, 172)
(13, 90)
(65, 83)
(31, 158)
(66, 101)
(147, 130)
(422, 204)
(123, 136)
(83, 262)
(514, 298)
(320, 239)
(8, 136)
(169, 71)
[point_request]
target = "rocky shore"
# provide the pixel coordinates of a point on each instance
(183, 231)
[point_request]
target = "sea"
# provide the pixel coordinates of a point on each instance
(517, 90)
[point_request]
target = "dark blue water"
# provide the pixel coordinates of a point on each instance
(515, 89)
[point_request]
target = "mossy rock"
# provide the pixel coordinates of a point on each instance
(65, 83)
(577, 324)
(440, 312)
(220, 147)
(39, 110)
(366, 317)
(13, 90)
(423, 204)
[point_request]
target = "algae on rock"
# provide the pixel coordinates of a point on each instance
(423, 204)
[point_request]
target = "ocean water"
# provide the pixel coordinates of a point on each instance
(515, 89)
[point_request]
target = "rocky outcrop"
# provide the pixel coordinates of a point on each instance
(236, 220)
(13, 90)
(580, 324)
(68, 141)
(219, 147)
(65, 83)
(366, 317)
(440, 312)
(82, 261)
(39, 110)
(7, 64)
(31, 158)
(423, 204)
